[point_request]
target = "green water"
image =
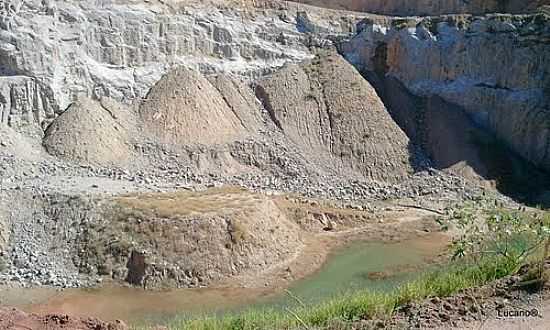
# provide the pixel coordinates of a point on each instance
(356, 267)
(349, 270)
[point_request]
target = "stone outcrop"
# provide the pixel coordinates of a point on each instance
(336, 117)
(24, 100)
(496, 68)
(431, 7)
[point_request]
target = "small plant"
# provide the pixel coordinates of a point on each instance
(517, 236)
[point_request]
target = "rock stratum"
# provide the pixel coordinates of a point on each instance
(429, 7)
(53, 51)
(494, 68)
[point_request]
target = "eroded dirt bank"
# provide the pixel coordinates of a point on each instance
(192, 239)
(14, 319)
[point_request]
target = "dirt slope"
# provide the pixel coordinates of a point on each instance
(187, 239)
(341, 122)
(14, 319)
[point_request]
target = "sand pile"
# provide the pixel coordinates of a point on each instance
(88, 132)
(184, 108)
(336, 117)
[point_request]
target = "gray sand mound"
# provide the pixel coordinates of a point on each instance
(328, 109)
(185, 108)
(88, 133)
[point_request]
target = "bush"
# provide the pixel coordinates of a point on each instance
(517, 236)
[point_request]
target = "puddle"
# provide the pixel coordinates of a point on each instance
(378, 266)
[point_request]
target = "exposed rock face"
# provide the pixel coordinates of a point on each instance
(89, 132)
(453, 141)
(341, 121)
(430, 7)
(52, 51)
(497, 68)
(24, 100)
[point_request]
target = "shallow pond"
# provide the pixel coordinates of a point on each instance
(359, 265)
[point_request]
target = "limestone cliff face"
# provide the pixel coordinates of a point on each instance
(431, 7)
(497, 68)
(53, 51)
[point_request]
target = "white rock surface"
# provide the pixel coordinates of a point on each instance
(52, 51)
(497, 68)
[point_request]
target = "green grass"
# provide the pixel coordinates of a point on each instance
(359, 305)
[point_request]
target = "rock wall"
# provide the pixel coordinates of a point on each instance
(23, 100)
(53, 51)
(430, 7)
(496, 68)
(454, 142)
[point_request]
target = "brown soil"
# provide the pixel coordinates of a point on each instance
(14, 319)
(188, 239)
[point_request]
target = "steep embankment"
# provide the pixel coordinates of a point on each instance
(493, 69)
(430, 7)
(182, 239)
(339, 122)
(188, 239)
